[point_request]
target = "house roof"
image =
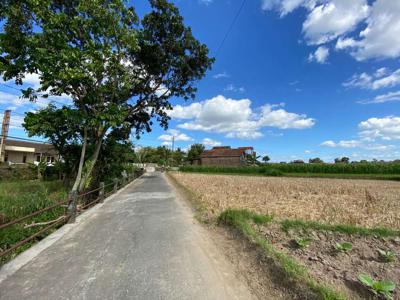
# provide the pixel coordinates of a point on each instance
(225, 151)
(39, 147)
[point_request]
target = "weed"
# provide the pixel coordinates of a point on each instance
(387, 256)
(241, 218)
(348, 229)
(303, 242)
(383, 287)
(344, 247)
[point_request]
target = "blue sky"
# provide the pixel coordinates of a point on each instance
(294, 78)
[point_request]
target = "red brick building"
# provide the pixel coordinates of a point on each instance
(226, 156)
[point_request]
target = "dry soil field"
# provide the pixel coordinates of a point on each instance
(368, 203)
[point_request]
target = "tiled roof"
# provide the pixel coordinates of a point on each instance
(225, 152)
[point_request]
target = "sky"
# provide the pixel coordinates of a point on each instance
(295, 79)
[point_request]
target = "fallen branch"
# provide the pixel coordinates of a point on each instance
(43, 223)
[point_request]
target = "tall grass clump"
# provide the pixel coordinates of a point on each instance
(20, 198)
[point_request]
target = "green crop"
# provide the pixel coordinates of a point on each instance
(383, 287)
(344, 247)
(387, 256)
(303, 242)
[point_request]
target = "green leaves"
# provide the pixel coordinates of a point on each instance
(387, 256)
(303, 242)
(344, 247)
(383, 287)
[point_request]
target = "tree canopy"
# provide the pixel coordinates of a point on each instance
(119, 71)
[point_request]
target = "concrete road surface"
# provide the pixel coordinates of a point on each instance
(142, 244)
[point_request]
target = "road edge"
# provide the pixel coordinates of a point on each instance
(25, 257)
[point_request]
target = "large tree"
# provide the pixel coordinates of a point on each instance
(120, 72)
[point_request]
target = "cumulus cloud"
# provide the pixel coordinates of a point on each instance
(387, 128)
(235, 118)
(381, 78)
(210, 142)
(367, 29)
(175, 135)
(331, 19)
(388, 97)
(320, 55)
(380, 38)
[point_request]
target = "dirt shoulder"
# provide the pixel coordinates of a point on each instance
(264, 278)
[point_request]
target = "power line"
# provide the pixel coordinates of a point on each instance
(24, 139)
(230, 27)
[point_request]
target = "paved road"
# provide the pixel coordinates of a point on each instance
(142, 244)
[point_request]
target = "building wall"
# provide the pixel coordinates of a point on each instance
(221, 161)
(18, 157)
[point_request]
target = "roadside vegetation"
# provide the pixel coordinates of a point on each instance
(339, 239)
(21, 198)
(370, 170)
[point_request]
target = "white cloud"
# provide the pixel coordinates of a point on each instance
(388, 97)
(210, 142)
(342, 144)
(236, 119)
(387, 128)
(232, 88)
(380, 38)
(175, 135)
(283, 6)
(221, 75)
(381, 78)
(320, 55)
(367, 29)
(331, 19)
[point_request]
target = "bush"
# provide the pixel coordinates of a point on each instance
(232, 170)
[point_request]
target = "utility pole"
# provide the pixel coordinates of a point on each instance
(4, 133)
(173, 144)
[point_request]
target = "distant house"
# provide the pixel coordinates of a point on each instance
(22, 152)
(226, 156)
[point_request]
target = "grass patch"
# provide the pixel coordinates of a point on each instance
(20, 198)
(241, 219)
(342, 228)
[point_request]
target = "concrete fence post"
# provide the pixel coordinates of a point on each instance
(115, 184)
(101, 192)
(71, 210)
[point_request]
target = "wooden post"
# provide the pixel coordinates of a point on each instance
(101, 193)
(71, 211)
(115, 185)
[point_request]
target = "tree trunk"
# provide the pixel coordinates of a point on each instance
(81, 162)
(90, 164)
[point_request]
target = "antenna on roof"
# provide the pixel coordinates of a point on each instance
(4, 133)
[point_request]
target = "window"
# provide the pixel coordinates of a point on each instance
(6, 157)
(24, 158)
(38, 158)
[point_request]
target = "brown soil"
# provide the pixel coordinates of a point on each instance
(368, 203)
(265, 279)
(339, 269)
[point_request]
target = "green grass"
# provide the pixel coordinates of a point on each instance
(241, 219)
(342, 228)
(20, 198)
(395, 177)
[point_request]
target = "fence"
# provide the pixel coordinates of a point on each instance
(73, 206)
